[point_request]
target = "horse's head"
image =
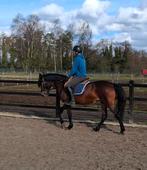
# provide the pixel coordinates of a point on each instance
(40, 79)
(51, 81)
(46, 83)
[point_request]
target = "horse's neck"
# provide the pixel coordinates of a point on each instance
(60, 91)
(55, 77)
(59, 87)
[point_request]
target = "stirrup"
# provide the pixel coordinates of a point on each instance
(68, 103)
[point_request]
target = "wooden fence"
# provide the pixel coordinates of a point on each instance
(131, 98)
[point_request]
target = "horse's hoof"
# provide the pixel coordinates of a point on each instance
(63, 125)
(70, 126)
(96, 129)
(122, 132)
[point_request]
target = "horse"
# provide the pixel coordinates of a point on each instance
(110, 95)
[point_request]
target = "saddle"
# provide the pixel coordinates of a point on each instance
(80, 88)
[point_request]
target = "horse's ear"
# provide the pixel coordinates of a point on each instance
(40, 74)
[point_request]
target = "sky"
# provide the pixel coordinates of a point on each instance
(116, 20)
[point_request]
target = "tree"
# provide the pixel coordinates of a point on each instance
(57, 48)
(85, 36)
(27, 34)
(66, 47)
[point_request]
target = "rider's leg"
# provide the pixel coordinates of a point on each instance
(71, 83)
(68, 88)
(69, 94)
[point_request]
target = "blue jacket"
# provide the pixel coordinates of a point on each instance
(78, 67)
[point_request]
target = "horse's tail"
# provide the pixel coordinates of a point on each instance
(121, 100)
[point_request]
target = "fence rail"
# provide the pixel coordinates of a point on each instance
(131, 98)
(19, 81)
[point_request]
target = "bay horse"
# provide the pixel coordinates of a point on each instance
(110, 95)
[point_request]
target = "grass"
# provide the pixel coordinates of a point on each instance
(92, 76)
(19, 75)
(118, 77)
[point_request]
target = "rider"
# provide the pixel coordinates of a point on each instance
(78, 72)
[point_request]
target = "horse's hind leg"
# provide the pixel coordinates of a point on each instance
(121, 123)
(118, 117)
(104, 117)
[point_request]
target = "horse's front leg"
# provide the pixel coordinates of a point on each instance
(60, 116)
(69, 113)
(61, 119)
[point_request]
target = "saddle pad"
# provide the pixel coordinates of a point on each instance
(80, 88)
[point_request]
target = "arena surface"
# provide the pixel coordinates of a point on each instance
(31, 144)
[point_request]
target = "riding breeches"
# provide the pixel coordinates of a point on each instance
(73, 81)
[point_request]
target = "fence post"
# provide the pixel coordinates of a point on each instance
(57, 103)
(131, 100)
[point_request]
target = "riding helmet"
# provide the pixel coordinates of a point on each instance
(77, 49)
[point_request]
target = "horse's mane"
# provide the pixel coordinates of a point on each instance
(54, 77)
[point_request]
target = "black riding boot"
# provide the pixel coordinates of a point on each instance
(68, 91)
